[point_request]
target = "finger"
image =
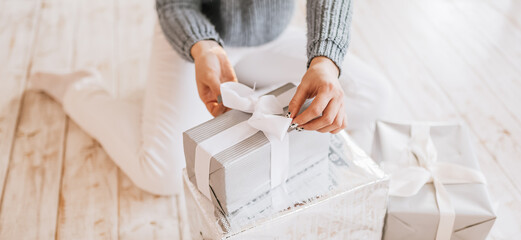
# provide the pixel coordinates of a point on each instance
(334, 126)
(206, 86)
(214, 84)
(209, 90)
(315, 109)
(342, 127)
(296, 102)
(328, 118)
(215, 108)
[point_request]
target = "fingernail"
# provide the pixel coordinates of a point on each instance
(288, 115)
(293, 125)
(300, 129)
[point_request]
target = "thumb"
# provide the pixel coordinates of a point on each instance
(213, 105)
(215, 87)
(296, 102)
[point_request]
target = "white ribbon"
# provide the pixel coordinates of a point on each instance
(408, 180)
(266, 116)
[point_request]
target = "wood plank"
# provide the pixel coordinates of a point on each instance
(489, 46)
(141, 215)
(88, 205)
(509, 9)
(426, 92)
(502, 73)
(89, 196)
(17, 32)
(146, 216)
(30, 201)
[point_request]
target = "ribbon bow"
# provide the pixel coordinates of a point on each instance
(266, 116)
(426, 168)
(266, 110)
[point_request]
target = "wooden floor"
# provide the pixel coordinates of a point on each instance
(446, 60)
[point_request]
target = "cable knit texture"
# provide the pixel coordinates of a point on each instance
(254, 22)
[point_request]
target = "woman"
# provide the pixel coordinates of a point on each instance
(214, 42)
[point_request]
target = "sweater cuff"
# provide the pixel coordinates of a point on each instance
(193, 39)
(327, 48)
(183, 25)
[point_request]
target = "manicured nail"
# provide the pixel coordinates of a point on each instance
(300, 129)
(293, 125)
(288, 115)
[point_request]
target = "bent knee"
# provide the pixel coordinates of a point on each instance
(157, 176)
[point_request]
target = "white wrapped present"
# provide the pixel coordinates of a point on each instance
(350, 203)
(247, 151)
(437, 190)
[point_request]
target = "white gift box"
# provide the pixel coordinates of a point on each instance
(239, 172)
(436, 190)
(350, 203)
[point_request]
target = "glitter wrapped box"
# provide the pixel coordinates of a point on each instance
(350, 199)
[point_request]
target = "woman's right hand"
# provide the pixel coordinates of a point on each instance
(212, 68)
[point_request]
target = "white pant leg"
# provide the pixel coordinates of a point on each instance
(145, 143)
(284, 60)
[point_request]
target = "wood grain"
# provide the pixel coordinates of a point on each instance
(146, 216)
(89, 196)
(33, 183)
(18, 23)
(32, 186)
(88, 199)
(492, 50)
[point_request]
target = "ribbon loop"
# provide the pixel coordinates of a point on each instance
(238, 96)
(265, 109)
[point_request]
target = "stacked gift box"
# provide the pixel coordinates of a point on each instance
(328, 187)
(349, 202)
(331, 188)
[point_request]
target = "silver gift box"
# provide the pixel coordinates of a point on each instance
(417, 217)
(240, 173)
(350, 198)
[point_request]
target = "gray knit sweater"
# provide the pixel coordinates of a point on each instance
(254, 22)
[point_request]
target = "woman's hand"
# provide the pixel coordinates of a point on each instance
(326, 113)
(212, 68)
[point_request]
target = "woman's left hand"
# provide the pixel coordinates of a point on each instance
(326, 113)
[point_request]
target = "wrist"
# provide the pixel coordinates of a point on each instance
(202, 47)
(321, 61)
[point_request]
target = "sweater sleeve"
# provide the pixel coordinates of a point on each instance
(328, 24)
(184, 24)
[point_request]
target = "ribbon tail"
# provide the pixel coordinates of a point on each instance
(202, 170)
(447, 214)
(279, 160)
